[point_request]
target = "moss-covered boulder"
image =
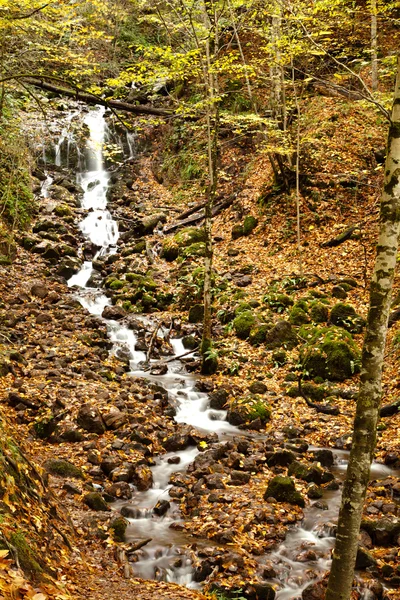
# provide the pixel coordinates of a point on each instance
(298, 314)
(194, 250)
(281, 335)
(328, 352)
(27, 557)
(311, 473)
(196, 313)
(319, 312)
(283, 490)
(249, 224)
(95, 501)
(63, 468)
(118, 528)
(184, 238)
(344, 315)
(243, 324)
(249, 409)
(258, 334)
(278, 302)
(237, 232)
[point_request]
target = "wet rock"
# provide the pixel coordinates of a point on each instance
(283, 490)
(160, 368)
(314, 591)
(325, 457)
(161, 508)
(365, 540)
(124, 472)
(95, 501)
(89, 419)
(196, 313)
(311, 473)
(176, 442)
(118, 528)
(177, 492)
(202, 571)
(215, 481)
(189, 342)
(314, 492)
(68, 267)
(282, 334)
(364, 559)
(281, 458)
(120, 490)
(218, 398)
(143, 478)
(260, 591)
(114, 313)
(110, 463)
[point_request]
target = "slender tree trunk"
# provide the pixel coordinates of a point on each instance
(364, 435)
(374, 43)
(209, 363)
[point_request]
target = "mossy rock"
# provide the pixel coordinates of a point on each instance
(118, 528)
(139, 247)
(164, 299)
(237, 232)
(339, 292)
(113, 283)
(281, 335)
(196, 313)
(194, 250)
(27, 557)
(298, 316)
(189, 236)
(170, 250)
(62, 210)
(142, 282)
(249, 224)
(329, 352)
(243, 324)
(319, 312)
(249, 408)
(279, 357)
(63, 468)
(243, 306)
(283, 490)
(314, 392)
(258, 335)
(95, 501)
(311, 473)
(189, 342)
(344, 315)
(278, 302)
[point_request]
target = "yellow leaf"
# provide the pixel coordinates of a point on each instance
(39, 597)
(4, 553)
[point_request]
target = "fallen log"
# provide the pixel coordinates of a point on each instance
(88, 98)
(199, 217)
(346, 235)
(388, 410)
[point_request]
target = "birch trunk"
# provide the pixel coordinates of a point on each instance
(364, 435)
(374, 44)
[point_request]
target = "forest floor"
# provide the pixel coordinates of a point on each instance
(55, 358)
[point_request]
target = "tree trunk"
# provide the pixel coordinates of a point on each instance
(364, 435)
(374, 43)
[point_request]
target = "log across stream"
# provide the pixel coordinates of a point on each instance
(164, 554)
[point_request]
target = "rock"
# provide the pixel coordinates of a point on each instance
(311, 473)
(339, 292)
(124, 472)
(325, 457)
(239, 478)
(329, 352)
(89, 419)
(281, 458)
(39, 290)
(314, 591)
(114, 313)
(364, 559)
(176, 442)
(282, 334)
(143, 478)
(344, 315)
(95, 501)
(189, 342)
(283, 490)
(118, 528)
(196, 313)
(260, 591)
(258, 387)
(68, 266)
(114, 419)
(121, 490)
(63, 468)
(243, 324)
(161, 508)
(160, 368)
(314, 492)
(218, 398)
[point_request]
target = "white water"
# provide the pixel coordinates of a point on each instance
(163, 558)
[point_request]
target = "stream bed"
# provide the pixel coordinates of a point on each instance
(306, 548)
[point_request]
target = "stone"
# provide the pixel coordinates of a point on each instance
(281, 458)
(258, 387)
(161, 508)
(89, 419)
(196, 313)
(114, 313)
(364, 559)
(143, 478)
(120, 490)
(282, 334)
(218, 398)
(39, 290)
(118, 528)
(314, 591)
(95, 501)
(114, 419)
(239, 478)
(283, 490)
(63, 468)
(325, 457)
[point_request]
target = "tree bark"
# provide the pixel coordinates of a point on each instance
(374, 44)
(367, 412)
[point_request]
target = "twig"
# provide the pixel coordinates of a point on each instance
(152, 340)
(179, 356)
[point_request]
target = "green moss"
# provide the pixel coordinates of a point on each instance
(298, 316)
(258, 335)
(249, 224)
(237, 232)
(319, 312)
(189, 236)
(28, 559)
(63, 468)
(118, 527)
(243, 324)
(249, 408)
(196, 313)
(283, 490)
(344, 315)
(243, 306)
(278, 302)
(62, 210)
(328, 352)
(95, 501)
(197, 249)
(279, 357)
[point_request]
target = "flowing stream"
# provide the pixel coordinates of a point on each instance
(165, 557)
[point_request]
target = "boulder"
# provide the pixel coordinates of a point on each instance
(282, 334)
(63, 468)
(95, 501)
(114, 313)
(89, 419)
(283, 490)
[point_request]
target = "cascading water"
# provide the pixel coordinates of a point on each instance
(163, 557)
